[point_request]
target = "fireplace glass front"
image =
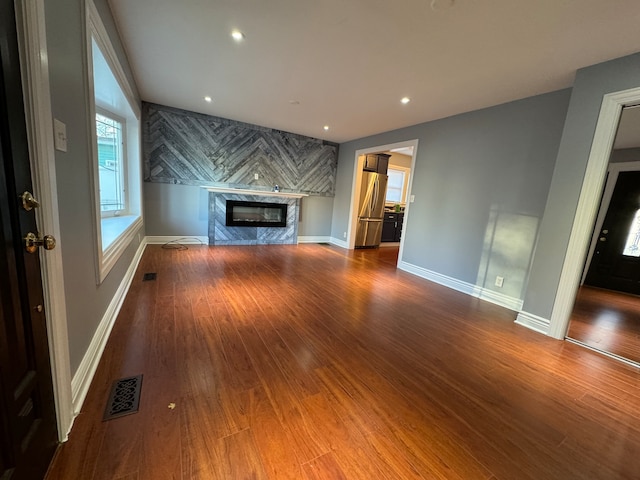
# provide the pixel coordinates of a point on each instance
(256, 214)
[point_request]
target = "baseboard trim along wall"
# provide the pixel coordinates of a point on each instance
(534, 322)
(186, 240)
(87, 369)
(338, 243)
(314, 239)
(464, 287)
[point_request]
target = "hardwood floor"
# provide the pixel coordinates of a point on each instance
(608, 321)
(313, 362)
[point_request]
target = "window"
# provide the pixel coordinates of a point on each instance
(397, 184)
(632, 247)
(115, 162)
(111, 165)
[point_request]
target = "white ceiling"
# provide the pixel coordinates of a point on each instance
(348, 62)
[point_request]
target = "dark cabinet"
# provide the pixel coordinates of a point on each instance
(376, 162)
(392, 227)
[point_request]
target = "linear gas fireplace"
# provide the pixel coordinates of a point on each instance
(256, 214)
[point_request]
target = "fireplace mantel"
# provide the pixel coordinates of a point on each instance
(264, 193)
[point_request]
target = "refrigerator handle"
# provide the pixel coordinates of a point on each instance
(375, 193)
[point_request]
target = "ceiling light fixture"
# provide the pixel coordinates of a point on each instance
(326, 127)
(405, 100)
(237, 35)
(208, 99)
(441, 4)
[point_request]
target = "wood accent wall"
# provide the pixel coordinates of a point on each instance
(189, 148)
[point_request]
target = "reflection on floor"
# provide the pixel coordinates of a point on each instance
(607, 321)
(384, 254)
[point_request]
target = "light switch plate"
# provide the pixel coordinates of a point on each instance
(412, 198)
(60, 135)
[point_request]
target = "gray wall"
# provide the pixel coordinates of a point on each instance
(315, 217)
(591, 84)
(175, 210)
(480, 183)
(625, 155)
(86, 301)
(182, 210)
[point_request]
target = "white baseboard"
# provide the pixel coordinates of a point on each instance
(314, 239)
(534, 322)
(339, 243)
(475, 291)
(186, 240)
(501, 299)
(84, 375)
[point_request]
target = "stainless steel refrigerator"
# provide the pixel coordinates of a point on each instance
(373, 190)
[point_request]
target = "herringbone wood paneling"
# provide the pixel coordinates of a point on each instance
(195, 149)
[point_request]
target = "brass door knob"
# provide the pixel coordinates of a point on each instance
(32, 242)
(28, 201)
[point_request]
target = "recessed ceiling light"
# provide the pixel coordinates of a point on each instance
(208, 99)
(237, 35)
(326, 127)
(405, 100)
(441, 4)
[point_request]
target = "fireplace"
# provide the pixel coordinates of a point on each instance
(259, 225)
(255, 214)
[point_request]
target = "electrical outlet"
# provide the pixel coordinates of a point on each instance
(499, 281)
(256, 176)
(344, 235)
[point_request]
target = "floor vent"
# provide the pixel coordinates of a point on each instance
(124, 398)
(149, 276)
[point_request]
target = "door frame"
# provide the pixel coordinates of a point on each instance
(37, 97)
(588, 206)
(355, 189)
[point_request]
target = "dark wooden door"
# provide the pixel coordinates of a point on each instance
(28, 435)
(616, 260)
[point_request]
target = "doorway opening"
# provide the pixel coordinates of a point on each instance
(367, 226)
(588, 204)
(606, 313)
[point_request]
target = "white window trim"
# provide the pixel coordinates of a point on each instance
(107, 258)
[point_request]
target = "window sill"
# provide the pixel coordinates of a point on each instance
(116, 235)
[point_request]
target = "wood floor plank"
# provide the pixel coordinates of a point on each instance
(239, 457)
(160, 455)
(324, 467)
(608, 321)
(311, 361)
(121, 448)
(283, 400)
(274, 442)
